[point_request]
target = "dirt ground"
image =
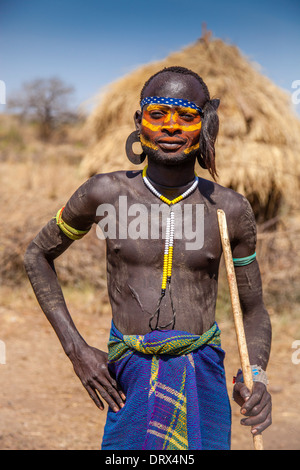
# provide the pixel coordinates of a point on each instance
(44, 406)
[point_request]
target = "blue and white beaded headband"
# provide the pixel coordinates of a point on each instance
(170, 102)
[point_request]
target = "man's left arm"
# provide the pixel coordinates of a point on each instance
(256, 407)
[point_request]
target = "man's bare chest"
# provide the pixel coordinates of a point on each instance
(136, 232)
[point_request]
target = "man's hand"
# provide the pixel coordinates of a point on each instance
(90, 364)
(257, 406)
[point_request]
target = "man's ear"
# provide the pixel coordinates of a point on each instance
(215, 103)
(138, 120)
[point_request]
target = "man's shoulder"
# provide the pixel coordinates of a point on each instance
(238, 211)
(221, 196)
(235, 205)
(114, 177)
(103, 185)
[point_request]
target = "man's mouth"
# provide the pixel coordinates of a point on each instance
(170, 144)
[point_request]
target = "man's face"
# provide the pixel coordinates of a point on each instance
(170, 134)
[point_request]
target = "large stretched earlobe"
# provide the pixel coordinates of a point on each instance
(134, 158)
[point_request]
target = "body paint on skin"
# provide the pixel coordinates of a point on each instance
(166, 125)
(175, 126)
(167, 113)
(193, 147)
(147, 143)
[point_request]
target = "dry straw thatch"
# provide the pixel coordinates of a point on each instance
(259, 141)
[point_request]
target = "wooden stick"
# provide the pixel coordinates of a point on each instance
(237, 313)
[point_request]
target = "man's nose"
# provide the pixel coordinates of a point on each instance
(170, 125)
(171, 130)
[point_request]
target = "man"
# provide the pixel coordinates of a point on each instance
(164, 378)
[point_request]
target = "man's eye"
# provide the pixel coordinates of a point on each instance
(156, 114)
(187, 116)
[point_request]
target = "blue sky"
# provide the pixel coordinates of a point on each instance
(89, 43)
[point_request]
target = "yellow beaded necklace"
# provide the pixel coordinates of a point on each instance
(169, 241)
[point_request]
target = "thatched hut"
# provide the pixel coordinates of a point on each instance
(259, 141)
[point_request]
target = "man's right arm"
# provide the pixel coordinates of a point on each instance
(39, 264)
(90, 364)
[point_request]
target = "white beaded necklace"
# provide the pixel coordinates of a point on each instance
(169, 241)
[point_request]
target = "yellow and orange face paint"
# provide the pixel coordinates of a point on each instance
(157, 118)
(171, 118)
